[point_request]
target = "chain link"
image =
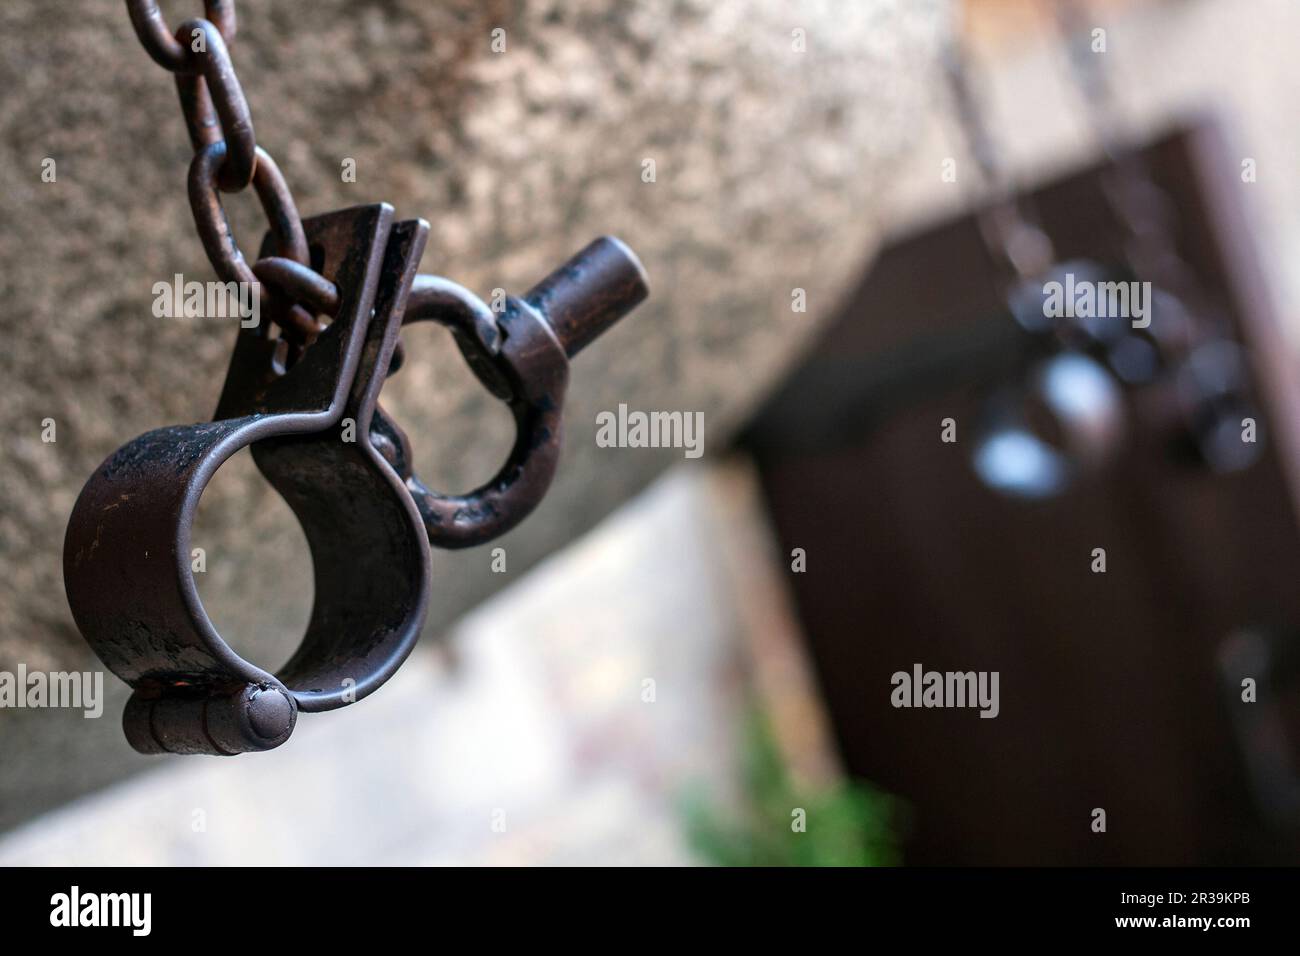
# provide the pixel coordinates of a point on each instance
(1143, 209)
(214, 105)
(1008, 225)
(227, 159)
(168, 51)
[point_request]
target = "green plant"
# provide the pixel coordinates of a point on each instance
(776, 824)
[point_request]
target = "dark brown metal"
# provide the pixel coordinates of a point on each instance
(590, 292)
(300, 399)
(299, 282)
(367, 518)
(529, 370)
(520, 358)
(168, 51)
(214, 227)
(215, 109)
(213, 102)
(126, 554)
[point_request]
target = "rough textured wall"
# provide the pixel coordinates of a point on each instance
(768, 162)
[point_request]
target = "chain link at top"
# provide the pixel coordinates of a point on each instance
(227, 159)
(168, 51)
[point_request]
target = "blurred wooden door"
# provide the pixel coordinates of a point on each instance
(1111, 691)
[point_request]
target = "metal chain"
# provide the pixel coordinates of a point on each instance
(1194, 345)
(227, 159)
(1141, 206)
(1009, 227)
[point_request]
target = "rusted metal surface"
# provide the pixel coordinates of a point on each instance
(302, 390)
